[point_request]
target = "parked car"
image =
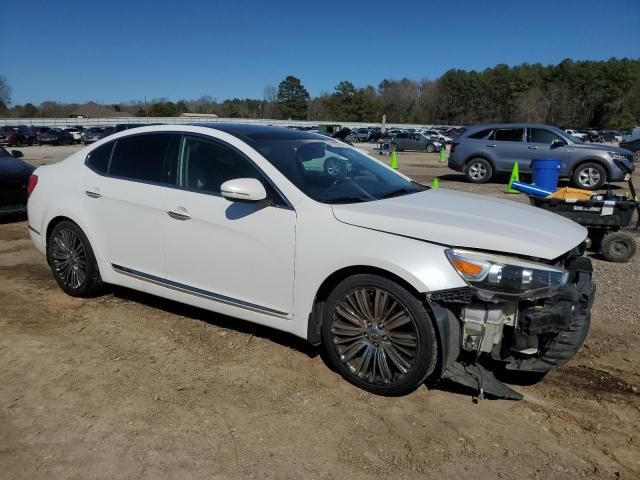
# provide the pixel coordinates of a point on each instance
(375, 134)
(56, 136)
(594, 136)
(484, 150)
(631, 134)
(75, 133)
(582, 136)
(611, 136)
(416, 141)
(39, 131)
(14, 180)
(29, 134)
(634, 147)
(397, 281)
(13, 136)
(360, 134)
(436, 134)
(94, 134)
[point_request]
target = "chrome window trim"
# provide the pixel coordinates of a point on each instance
(198, 292)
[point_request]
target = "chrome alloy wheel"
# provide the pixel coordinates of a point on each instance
(374, 335)
(589, 177)
(477, 171)
(69, 258)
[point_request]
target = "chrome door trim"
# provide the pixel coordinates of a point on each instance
(198, 292)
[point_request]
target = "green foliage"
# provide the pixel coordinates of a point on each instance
(5, 93)
(589, 94)
(292, 99)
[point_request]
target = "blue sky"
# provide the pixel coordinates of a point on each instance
(112, 51)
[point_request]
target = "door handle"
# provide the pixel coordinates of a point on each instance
(492, 145)
(91, 194)
(179, 215)
(533, 147)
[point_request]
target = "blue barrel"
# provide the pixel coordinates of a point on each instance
(545, 173)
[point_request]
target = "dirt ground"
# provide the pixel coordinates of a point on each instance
(132, 386)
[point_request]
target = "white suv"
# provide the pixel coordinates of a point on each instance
(306, 234)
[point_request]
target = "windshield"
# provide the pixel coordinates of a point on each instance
(95, 130)
(331, 172)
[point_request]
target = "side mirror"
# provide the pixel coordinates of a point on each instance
(16, 154)
(557, 143)
(243, 189)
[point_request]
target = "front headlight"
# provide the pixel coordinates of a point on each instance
(507, 275)
(618, 156)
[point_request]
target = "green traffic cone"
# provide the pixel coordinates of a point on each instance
(442, 156)
(436, 183)
(394, 160)
(515, 177)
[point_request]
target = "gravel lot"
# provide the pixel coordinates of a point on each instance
(132, 386)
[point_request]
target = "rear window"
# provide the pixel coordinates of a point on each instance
(140, 157)
(481, 134)
(508, 134)
(98, 159)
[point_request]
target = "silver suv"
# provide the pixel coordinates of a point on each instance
(484, 150)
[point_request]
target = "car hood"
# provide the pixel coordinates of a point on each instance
(460, 219)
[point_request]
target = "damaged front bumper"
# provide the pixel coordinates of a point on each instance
(521, 334)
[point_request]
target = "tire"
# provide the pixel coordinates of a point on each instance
(589, 176)
(478, 170)
(72, 261)
(636, 156)
(430, 148)
(363, 346)
(618, 247)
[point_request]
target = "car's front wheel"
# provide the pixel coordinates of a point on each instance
(379, 335)
(478, 170)
(72, 261)
(431, 148)
(589, 176)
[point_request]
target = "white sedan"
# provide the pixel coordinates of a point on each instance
(303, 233)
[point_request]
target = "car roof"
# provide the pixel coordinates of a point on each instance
(248, 132)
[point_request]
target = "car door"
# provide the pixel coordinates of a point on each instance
(415, 142)
(237, 253)
(126, 202)
(540, 144)
(508, 147)
(402, 140)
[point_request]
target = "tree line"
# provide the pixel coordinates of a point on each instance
(589, 94)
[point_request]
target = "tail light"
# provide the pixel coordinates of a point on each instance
(31, 184)
(453, 147)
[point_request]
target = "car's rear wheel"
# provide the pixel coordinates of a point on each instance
(379, 335)
(431, 148)
(72, 261)
(636, 156)
(478, 170)
(589, 176)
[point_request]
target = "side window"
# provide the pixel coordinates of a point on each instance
(143, 157)
(98, 159)
(205, 165)
(481, 134)
(541, 135)
(508, 134)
